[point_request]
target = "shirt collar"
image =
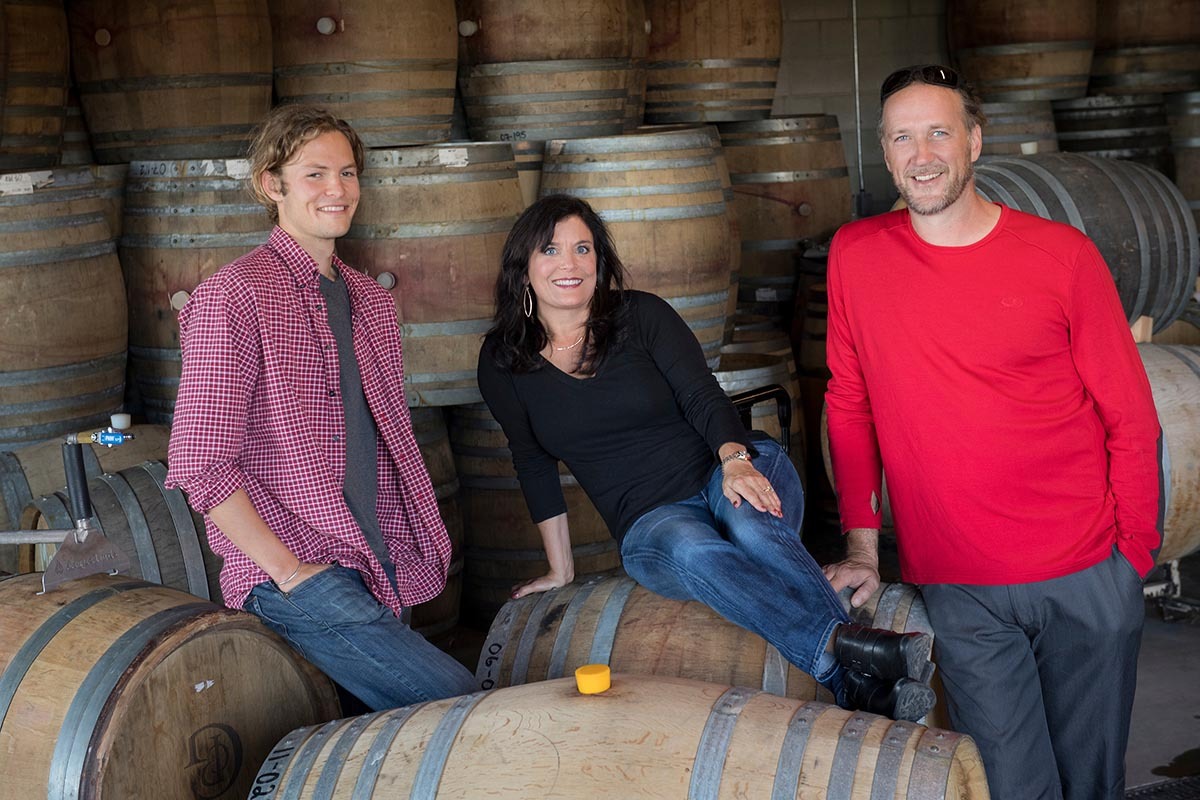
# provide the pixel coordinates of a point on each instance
(300, 265)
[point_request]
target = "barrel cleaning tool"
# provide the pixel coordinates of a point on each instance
(86, 550)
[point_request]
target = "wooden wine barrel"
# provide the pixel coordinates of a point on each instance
(1137, 218)
(437, 617)
(533, 71)
(64, 327)
(391, 76)
(171, 79)
(153, 525)
(502, 544)
(1014, 129)
(33, 83)
(1132, 127)
(790, 184)
(35, 470)
(182, 221)
(431, 227)
(112, 688)
(717, 62)
(1013, 50)
(1174, 373)
(660, 195)
(739, 372)
(644, 737)
(1183, 118)
(612, 620)
(1146, 46)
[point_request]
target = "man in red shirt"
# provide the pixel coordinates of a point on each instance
(981, 358)
(292, 435)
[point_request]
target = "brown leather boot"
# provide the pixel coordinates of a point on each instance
(882, 654)
(904, 699)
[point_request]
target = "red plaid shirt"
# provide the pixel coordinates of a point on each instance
(260, 409)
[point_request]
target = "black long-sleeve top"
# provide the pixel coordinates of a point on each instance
(641, 433)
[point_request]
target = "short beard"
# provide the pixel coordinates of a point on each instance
(939, 204)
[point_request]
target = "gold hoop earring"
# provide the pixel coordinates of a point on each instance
(527, 302)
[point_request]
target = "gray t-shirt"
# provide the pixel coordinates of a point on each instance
(361, 487)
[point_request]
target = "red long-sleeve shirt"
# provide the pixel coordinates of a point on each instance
(998, 386)
(260, 409)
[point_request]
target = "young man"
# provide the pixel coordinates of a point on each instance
(292, 436)
(980, 356)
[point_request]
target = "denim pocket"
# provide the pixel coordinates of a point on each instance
(336, 596)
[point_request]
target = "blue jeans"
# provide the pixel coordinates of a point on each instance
(339, 626)
(746, 565)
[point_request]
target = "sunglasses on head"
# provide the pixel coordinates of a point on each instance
(928, 73)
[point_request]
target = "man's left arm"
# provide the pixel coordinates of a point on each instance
(1112, 372)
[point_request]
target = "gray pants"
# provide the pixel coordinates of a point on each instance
(1042, 676)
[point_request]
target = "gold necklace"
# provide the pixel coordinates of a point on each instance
(570, 346)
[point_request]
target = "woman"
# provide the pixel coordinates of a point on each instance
(613, 383)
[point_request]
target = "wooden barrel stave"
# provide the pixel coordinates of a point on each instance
(33, 84)
(439, 616)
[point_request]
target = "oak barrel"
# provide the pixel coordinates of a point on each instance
(431, 227)
(660, 195)
(64, 327)
(1183, 119)
(714, 62)
(1138, 219)
(612, 620)
(35, 470)
(171, 78)
(163, 538)
(644, 737)
(1018, 128)
(529, 70)
(390, 75)
(1132, 127)
(1013, 50)
(1146, 46)
(33, 83)
(115, 688)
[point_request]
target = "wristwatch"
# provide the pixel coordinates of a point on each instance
(740, 455)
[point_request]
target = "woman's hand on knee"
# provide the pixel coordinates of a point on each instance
(547, 582)
(741, 481)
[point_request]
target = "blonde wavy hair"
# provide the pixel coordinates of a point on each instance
(276, 142)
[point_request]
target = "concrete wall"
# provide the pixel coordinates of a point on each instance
(816, 75)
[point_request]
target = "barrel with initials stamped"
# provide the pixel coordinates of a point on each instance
(116, 689)
(645, 736)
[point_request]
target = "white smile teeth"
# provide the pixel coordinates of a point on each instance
(568, 283)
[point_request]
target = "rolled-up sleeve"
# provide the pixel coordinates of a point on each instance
(221, 351)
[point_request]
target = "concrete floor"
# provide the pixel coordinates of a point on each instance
(1164, 741)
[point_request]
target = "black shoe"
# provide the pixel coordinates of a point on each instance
(882, 654)
(904, 699)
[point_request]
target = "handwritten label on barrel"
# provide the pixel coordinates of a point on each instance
(25, 182)
(154, 169)
(453, 156)
(267, 782)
